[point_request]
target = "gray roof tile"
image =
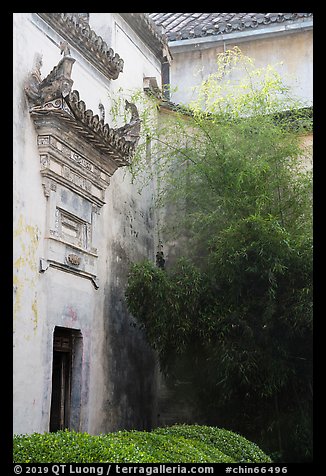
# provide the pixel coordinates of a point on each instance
(192, 25)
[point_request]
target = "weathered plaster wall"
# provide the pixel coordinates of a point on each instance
(28, 231)
(191, 65)
(71, 303)
(118, 369)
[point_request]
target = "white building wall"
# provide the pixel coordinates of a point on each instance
(291, 53)
(117, 368)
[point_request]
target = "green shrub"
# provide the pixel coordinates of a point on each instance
(175, 444)
(229, 443)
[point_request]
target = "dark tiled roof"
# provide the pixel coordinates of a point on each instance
(180, 26)
(148, 31)
(73, 27)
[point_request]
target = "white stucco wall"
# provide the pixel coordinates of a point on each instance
(290, 53)
(124, 233)
(29, 217)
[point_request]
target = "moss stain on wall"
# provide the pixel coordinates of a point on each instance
(25, 269)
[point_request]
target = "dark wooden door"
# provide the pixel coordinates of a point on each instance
(61, 382)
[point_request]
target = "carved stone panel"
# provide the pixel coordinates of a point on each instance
(71, 233)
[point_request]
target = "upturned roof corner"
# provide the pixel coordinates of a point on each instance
(57, 83)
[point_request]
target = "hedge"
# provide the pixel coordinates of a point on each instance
(174, 444)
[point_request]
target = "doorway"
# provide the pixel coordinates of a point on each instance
(63, 378)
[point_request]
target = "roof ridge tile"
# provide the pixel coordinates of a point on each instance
(191, 25)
